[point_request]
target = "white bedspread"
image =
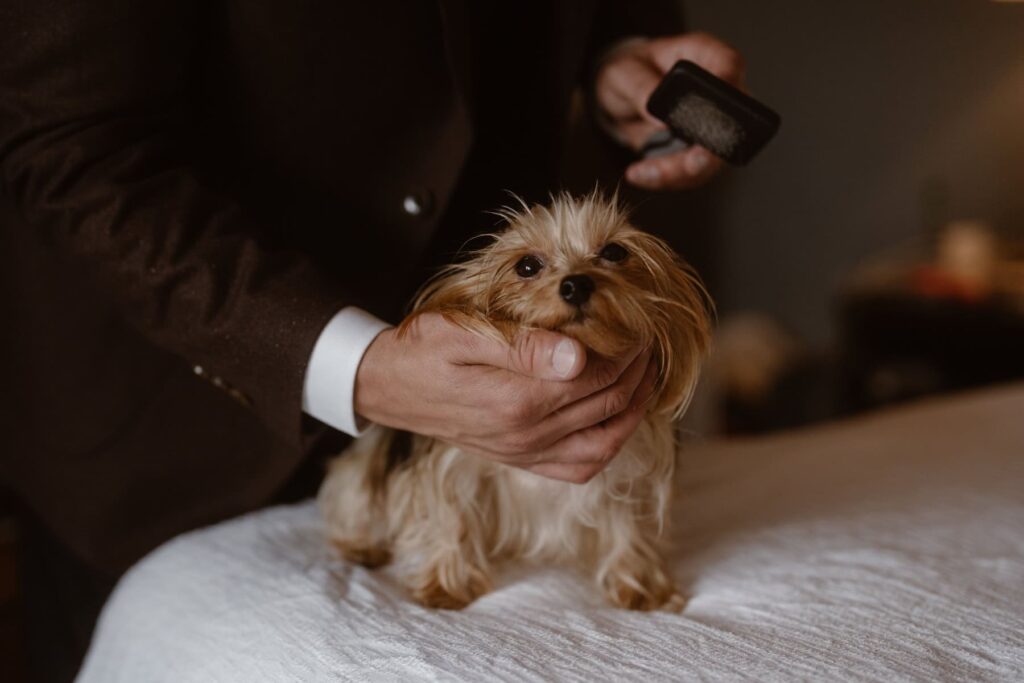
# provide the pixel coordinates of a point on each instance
(887, 548)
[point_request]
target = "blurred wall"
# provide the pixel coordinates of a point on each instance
(897, 115)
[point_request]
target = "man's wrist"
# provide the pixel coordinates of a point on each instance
(329, 387)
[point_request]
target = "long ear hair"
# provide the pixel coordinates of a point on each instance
(681, 312)
(461, 292)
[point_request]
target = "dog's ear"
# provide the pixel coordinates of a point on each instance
(462, 293)
(454, 288)
(681, 323)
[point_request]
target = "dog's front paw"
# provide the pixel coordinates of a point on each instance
(430, 591)
(369, 556)
(437, 597)
(651, 590)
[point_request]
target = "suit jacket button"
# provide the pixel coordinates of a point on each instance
(418, 204)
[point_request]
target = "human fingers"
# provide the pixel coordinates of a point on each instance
(595, 408)
(575, 473)
(517, 407)
(679, 171)
(539, 354)
(623, 89)
(599, 374)
(599, 444)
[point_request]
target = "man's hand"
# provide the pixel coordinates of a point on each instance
(537, 404)
(626, 80)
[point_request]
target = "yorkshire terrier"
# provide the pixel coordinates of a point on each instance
(447, 517)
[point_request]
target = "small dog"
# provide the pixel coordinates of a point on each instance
(447, 517)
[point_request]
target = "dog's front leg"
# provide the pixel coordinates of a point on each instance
(442, 549)
(631, 570)
(451, 569)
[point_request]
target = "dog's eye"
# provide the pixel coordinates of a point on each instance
(614, 252)
(528, 266)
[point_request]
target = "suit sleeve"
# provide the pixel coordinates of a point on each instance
(93, 121)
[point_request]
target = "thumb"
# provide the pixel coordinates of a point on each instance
(540, 354)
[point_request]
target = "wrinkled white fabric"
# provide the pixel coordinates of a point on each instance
(885, 548)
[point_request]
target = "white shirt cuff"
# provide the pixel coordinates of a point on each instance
(328, 392)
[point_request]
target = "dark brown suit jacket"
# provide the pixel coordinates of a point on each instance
(192, 188)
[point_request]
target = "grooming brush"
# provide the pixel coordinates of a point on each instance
(700, 108)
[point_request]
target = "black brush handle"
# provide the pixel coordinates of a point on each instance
(702, 109)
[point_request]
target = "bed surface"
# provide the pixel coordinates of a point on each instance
(885, 548)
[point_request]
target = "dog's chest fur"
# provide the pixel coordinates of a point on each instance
(526, 516)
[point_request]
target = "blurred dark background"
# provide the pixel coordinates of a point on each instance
(898, 117)
(900, 121)
(872, 254)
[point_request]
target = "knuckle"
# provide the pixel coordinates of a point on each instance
(458, 341)
(534, 442)
(498, 414)
(436, 324)
(517, 413)
(507, 416)
(738, 61)
(524, 352)
(507, 446)
(520, 443)
(615, 72)
(615, 403)
(734, 65)
(543, 405)
(605, 374)
(523, 412)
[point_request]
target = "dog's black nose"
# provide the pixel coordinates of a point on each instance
(576, 289)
